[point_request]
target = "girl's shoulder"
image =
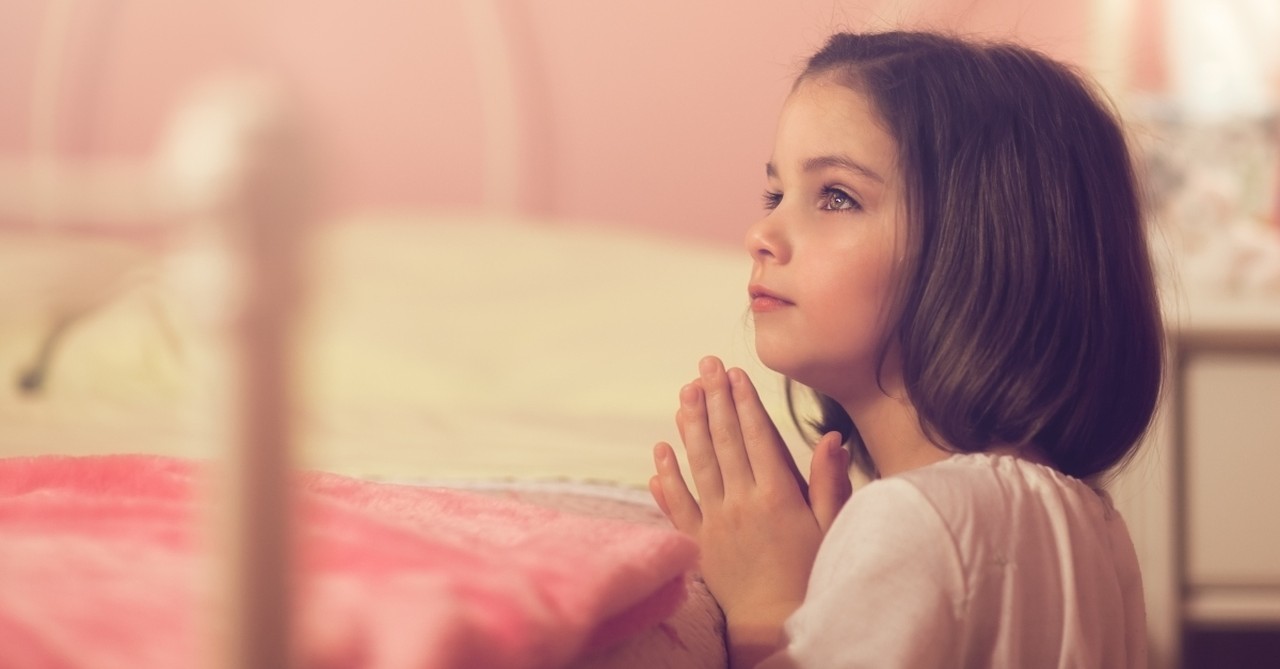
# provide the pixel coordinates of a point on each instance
(986, 497)
(987, 479)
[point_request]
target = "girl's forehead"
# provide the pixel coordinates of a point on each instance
(823, 116)
(827, 96)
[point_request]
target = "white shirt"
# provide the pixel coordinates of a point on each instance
(975, 561)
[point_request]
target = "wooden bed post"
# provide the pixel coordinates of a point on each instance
(267, 237)
(236, 154)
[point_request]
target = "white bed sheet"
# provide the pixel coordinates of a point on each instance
(437, 346)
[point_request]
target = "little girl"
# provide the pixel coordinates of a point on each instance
(952, 259)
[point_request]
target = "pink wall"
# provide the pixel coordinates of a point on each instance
(653, 114)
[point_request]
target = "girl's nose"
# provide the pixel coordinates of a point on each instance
(765, 240)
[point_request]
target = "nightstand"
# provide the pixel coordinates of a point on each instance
(1202, 499)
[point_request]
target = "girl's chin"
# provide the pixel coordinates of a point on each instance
(817, 375)
(791, 369)
(772, 360)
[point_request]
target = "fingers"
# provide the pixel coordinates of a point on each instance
(829, 484)
(719, 413)
(732, 443)
(768, 453)
(695, 432)
(659, 498)
(670, 492)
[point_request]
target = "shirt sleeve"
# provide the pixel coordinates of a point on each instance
(887, 588)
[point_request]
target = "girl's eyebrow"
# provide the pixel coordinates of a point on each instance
(843, 162)
(833, 160)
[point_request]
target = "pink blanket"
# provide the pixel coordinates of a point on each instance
(101, 565)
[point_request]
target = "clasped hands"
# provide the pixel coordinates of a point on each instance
(757, 522)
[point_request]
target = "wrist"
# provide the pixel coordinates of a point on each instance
(751, 639)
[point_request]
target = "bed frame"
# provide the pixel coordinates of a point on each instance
(234, 165)
(234, 172)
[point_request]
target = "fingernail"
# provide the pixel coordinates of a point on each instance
(707, 365)
(736, 376)
(688, 394)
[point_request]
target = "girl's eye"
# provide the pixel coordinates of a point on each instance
(772, 199)
(834, 199)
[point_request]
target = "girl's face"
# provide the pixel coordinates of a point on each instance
(824, 253)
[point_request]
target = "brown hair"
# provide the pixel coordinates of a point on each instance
(1027, 312)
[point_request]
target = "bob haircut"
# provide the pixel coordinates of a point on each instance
(1026, 310)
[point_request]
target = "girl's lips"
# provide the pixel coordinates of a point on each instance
(763, 300)
(763, 303)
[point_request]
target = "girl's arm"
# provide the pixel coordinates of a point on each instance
(758, 531)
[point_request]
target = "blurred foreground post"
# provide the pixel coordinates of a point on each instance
(236, 153)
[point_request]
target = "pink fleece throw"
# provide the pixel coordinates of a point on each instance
(102, 564)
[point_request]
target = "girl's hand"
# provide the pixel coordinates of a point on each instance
(758, 530)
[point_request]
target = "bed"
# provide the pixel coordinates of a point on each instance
(524, 360)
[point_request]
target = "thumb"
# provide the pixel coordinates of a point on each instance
(829, 485)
